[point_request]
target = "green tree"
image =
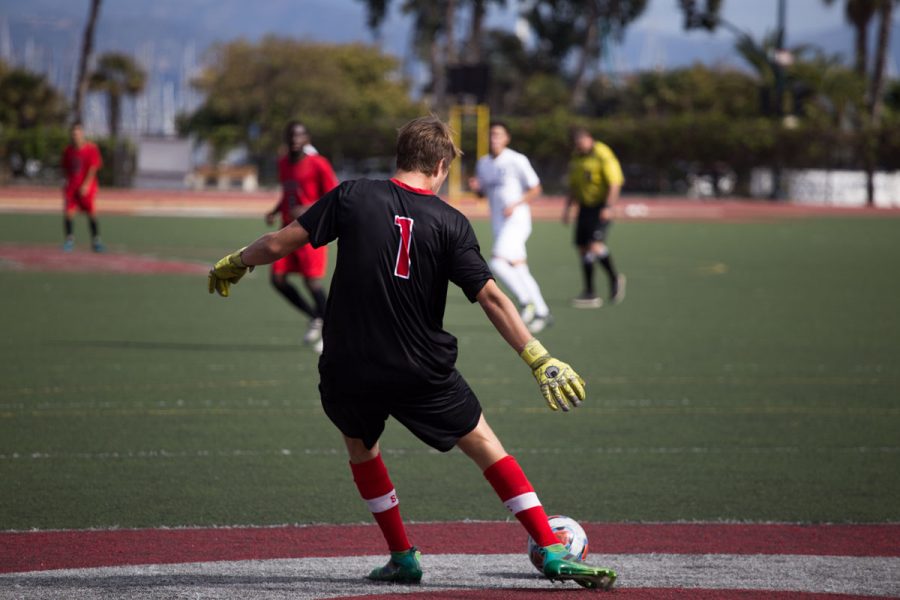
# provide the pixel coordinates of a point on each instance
(474, 48)
(696, 89)
(117, 75)
(580, 26)
(432, 19)
(28, 100)
(351, 97)
(860, 13)
(826, 91)
(705, 17)
(513, 66)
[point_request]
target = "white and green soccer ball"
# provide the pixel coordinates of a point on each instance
(569, 533)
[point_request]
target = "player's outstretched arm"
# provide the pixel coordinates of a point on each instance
(560, 385)
(267, 249)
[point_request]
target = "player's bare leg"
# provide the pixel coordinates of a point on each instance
(375, 487)
(506, 477)
(482, 445)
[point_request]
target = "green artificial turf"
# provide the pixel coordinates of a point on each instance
(752, 373)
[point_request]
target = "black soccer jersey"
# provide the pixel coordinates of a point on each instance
(398, 247)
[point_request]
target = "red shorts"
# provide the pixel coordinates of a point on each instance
(75, 201)
(308, 261)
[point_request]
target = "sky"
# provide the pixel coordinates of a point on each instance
(756, 16)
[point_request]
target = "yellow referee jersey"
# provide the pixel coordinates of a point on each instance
(591, 175)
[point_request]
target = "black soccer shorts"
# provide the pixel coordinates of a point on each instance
(590, 227)
(438, 417)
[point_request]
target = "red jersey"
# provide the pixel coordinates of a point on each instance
(75, 164)
(303, 182)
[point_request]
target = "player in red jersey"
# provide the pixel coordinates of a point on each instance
(387, 353)
(305, 177)
(80, 162)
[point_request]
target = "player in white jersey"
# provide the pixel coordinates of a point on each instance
(509, 182)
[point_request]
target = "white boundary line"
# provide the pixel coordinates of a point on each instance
(309, 578)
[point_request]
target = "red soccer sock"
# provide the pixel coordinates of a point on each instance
(514, 489)
(376, 489)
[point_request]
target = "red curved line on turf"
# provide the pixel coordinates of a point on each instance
(44, 258)
(44, 550)
(629, 593)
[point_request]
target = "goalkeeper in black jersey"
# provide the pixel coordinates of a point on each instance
(386, 353)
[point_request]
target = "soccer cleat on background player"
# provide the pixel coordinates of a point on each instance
(527, 313)
(68, 245)
(403, 567)
(318, 346)
(558, 568)
(97, 246)
(617, 290)
(314, 333)
(538, 324)
(587, 301)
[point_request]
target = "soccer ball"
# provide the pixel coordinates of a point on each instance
(570, 534)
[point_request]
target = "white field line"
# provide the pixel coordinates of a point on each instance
(162, 453)
(310, 578)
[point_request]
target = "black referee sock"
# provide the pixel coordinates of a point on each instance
(607, 263)
(67, 227)
(587, 266)
(95, 231)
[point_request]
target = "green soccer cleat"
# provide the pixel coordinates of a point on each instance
(558, 568)
(403, 567)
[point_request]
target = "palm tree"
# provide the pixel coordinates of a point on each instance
(117, 75)
(28, 100)
(876, 91)
(431, 19)
(475, 44)
(564, 25)
(860, 13)
(87, 48)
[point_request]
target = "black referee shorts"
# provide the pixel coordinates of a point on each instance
(438, 417)
(590, 227)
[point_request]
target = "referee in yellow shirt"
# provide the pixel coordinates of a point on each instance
(595, 180)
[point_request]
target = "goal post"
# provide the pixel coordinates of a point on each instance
(458, 115)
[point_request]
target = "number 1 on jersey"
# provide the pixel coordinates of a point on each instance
(401, 269)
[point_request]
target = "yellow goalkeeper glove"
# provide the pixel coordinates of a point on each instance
(227, 271)
(561, 386)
